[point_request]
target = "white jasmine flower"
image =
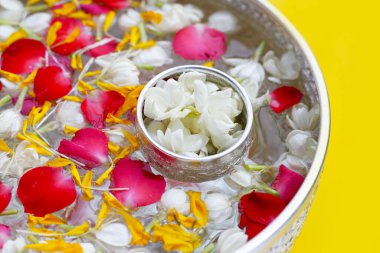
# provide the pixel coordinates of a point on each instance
(6, 31)
(116, 134)
(14, 246)
(219, 207)
(249, 73)
(118, 70)
(223, 21)
(70, 113)
(241, 177)
(288, 68)
(188, 79)
(302, 144)
(5, 161)
(156, 56)
(175, 199)
(11, 10)
(25, 158)
(167, 100)
(176, 17)
(231, 240)
(292, 162)
(11, 123)
(302, 118)
(179, 139)
(114, 234)
(37, 22)
(88, 248)
(129, 19)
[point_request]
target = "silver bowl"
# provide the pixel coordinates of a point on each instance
(279, 236)
(189, 169)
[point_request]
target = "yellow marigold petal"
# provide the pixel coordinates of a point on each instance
(106, 86)
(79, 61)
(112, 119)
(89, 23)
(46, 231)
(110, 17)
(69, 130)
(10, 76)
(79, 230)
(65, 10)
(38, 113)
(86, 186)
(73, 98)
(210, 64)
(40, 150)
(144, 45)
(50, 3)
(81, 15)
(198, 208)
(29, 79)
(72, 36)
(4, 147)
(132, 139)
(58, 162)
(151, 16)
(84, 87)
(104, 176)
(52, 33)
(135, 35)
(130, 101)
(102, 216)
(92, 73)
(124, 153)
(175, 238)
(58, 245)
(113, 148)
(139, 236)
(123, 43)
(113, 202)
(135, 4)
(75, 174)
(47, 220)
(187, 222)
(74, 63)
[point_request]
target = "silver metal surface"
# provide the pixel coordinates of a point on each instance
(189, 169)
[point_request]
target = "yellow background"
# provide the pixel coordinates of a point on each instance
(344, 36)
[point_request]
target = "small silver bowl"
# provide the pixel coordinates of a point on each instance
(189, 169)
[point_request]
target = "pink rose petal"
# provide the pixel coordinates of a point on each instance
(89, 146)
(199, 42)
(5, 196)
(5, 235)
(285, 97)
(287, 183)
(145, 188)
(23, 56)
(95, 9)
(113, 4)
(104, 49)
(99, 104)
(45, 190)
(27, 106)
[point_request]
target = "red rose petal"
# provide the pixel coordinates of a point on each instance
(199, 42)
(254, 229)
(51, 83)
(104, 49)
(244, 221)
(287, 183)
(89, 146)
(261, 207)
(285, 97)
(99, 104)
(94, 9)
(145, 188)
(113, 4)
(68, 26)
(5, 196)
(23, 56)
(45, 190)
(5, 235)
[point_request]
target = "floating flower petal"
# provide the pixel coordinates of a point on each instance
(145, 188)
(284, 97)
(287, 183)
(5, 235)
(45, 190)
(23, 56)
(89, 146)
(199, 42)
(5, 196)
(51, 83)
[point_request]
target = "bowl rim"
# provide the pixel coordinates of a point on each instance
(264, 240)
(203, 69)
